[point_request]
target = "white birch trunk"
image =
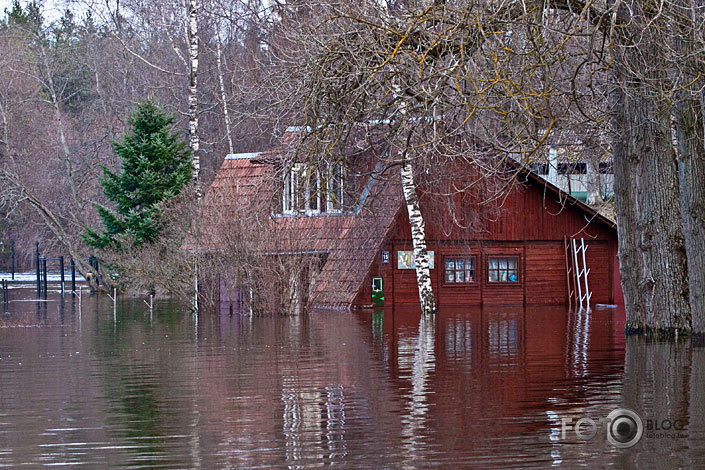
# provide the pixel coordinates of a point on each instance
(553, 166)
(221, 83)
(62, 135)
(416, 221)
(194, 141)
(5, 141)
(418, 239)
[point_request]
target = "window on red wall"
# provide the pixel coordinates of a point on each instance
(459, 269)
(503, 269)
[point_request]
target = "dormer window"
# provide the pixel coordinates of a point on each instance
(301, 190)
(334, 185)
(309, 190)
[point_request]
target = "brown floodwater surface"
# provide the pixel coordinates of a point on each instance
(493, 387)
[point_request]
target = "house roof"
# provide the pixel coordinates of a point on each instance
(242, 190)
(350, 241)
(237, 186)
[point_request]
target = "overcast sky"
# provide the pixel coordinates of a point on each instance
(52, 8)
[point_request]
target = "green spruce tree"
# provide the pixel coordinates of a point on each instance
(156, 165)
(23, 18)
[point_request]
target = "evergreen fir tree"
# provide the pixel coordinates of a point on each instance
(156, 165)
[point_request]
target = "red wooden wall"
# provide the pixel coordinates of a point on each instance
(528, 223)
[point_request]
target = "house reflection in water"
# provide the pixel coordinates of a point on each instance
(474, 385)
(478, 382)
(313, 416)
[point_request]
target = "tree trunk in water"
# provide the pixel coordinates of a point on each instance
(652, 250)
(663, 282)
(696, 236)
(629, 262)
(691, 177)
(53, 223)
(690, 133)
(418, 239)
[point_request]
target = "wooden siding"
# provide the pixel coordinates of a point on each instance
(525, 214)
(600, 262)
(529, 224)
(545, 273)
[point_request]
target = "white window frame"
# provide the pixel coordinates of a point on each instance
(292, 190)
(335, 172)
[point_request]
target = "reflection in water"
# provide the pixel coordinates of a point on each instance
(458, 341)
(419, 363)
(302, 420)
(579, 344)
(481, 387)
(503, 333)
(313, 423)
(335, 423)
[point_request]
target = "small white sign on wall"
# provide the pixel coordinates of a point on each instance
(405, 260)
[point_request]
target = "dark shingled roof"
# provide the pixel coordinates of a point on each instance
(350, 241)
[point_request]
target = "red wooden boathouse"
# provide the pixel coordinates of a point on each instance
(508, 251)
(518, 258)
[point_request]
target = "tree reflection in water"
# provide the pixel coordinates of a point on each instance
(474, 386)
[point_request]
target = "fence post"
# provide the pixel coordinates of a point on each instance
(61, 267)
(94, 264)
(12, 257)
(73, 277)
(36, 259)
(196, 290)
(46, 275)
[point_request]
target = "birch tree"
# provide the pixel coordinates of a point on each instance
(416, 220)
(221, 81)
(440, 82)
(194, 141)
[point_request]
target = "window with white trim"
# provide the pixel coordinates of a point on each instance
(503, 268)
(459, 269)
(308, 190)
(301, 190)
(334, 188)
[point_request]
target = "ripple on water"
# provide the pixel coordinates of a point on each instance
(481, 388)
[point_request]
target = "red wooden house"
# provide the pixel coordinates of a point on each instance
(354, 229)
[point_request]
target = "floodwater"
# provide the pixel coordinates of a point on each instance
(470, 388)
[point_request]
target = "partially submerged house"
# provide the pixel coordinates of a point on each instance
(349, 231)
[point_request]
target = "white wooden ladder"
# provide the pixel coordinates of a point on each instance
(579, 293)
